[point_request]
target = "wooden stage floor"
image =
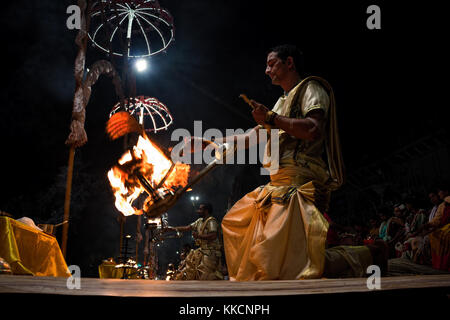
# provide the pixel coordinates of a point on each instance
(188, 300)
(158, 288)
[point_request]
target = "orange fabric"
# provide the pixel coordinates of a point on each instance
(30, 251)
(266, 240)
(440, 248)
(440, 238)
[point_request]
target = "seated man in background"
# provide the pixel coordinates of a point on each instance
(438, 231)
(396, 231)
(432, 239)
(203, 263)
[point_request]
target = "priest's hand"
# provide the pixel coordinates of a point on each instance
(259, 112)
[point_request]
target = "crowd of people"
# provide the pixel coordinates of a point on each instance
(410, 230)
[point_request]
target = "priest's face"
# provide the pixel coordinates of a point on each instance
(276, 69)
(202, 211)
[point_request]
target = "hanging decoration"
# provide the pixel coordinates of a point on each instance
(145, 27)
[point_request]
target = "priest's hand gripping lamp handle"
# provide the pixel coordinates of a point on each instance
(122, 123)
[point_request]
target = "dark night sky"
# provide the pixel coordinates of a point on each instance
(385, 81)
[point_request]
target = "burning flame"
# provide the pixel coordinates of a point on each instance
(150, 162)
(157, 221)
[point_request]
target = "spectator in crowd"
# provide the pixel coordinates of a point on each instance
(436, 201)
(383, 226)
(408, 213)
(440, 239)
(438, 217)
(359, 234)
(416, 217)
(432, 238)
(374, 230)
(438, 231)
(414, 247)
(419, 219)
(412, 232)
(443, 191)
(396, 229)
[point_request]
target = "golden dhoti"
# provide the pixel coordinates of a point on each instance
(201, 264)
(276, 231)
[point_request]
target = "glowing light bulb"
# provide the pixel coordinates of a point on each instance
(141, 65)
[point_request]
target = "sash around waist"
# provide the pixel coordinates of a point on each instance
(289, 180)
(299, 175)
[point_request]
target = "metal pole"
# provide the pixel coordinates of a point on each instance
(138, 230)
(65, 230)
(122, 222)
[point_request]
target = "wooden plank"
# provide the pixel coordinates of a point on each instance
(160, 288)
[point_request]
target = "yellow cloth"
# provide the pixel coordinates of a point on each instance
(266, 239)
(201, 265)
(440, 241)
(106, 271)
(436, 221)
(109, 271)
(30, 251)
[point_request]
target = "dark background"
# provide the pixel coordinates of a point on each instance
(388, 86)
